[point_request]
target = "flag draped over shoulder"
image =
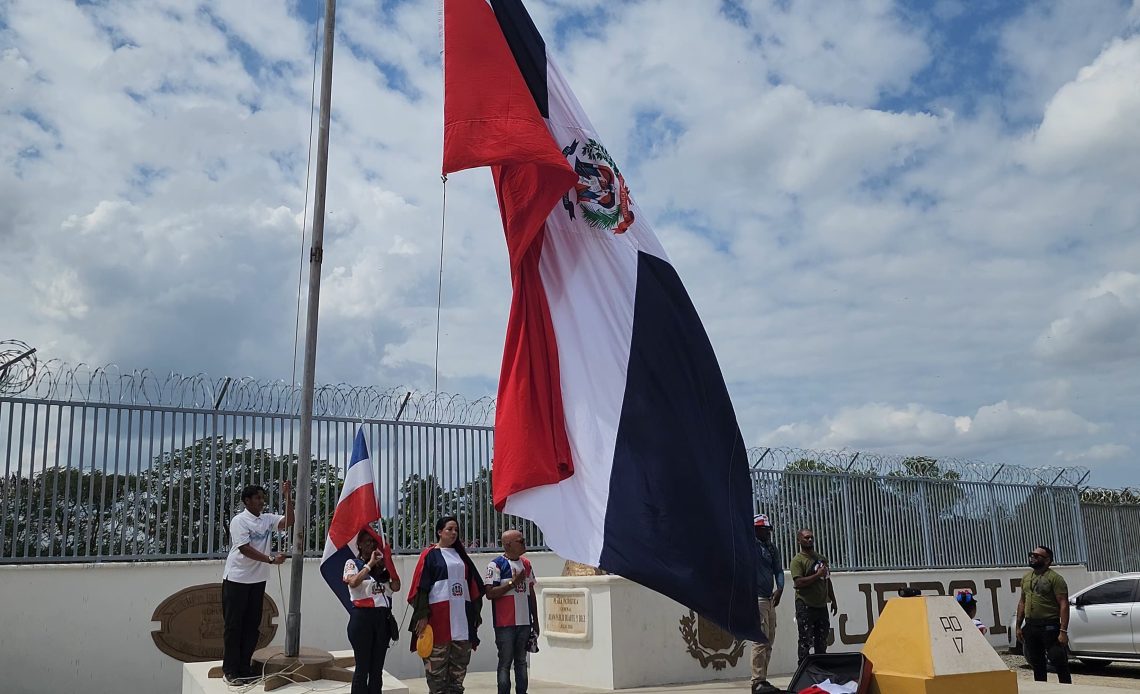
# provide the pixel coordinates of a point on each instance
(355, 510)
(614, 430)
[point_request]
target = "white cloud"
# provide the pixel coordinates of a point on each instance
(1103, 325)
(1097, 453)
(917, 428)
(1091, 121)
(851, 52)
(1050, 42)
(60, 297)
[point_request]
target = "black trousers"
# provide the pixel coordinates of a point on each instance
(241, 610)
(1039, 641)
(368, 634)
(813, 625)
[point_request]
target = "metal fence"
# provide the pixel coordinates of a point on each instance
(865, 522)
(91, 481)
(1113, 532)
(101, 465)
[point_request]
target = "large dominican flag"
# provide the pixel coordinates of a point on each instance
(614, 431)
(355, 511)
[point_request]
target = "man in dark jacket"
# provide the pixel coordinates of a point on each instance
(769, 573)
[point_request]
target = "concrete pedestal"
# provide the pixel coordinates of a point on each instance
(608, 632)
(196, 680)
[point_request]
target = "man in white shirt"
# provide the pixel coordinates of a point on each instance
(243, 579)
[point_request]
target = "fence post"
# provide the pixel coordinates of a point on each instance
(927, 530)
(212, 484)
(1121, 565)
(849, 518)
(1082, 537)
(1053, 521)
(997, 553)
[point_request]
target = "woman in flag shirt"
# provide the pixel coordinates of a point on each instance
(370, 586)
(447, 594)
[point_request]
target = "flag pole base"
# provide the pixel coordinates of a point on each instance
(309, 665)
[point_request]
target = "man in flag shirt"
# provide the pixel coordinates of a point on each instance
(510, 586)
(447, 594)
(614, 430)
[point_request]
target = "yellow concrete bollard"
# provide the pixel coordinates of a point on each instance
(927, 645)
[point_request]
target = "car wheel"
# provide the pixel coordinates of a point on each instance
(1095, 664)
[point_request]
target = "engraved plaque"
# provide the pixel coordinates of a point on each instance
(567, 612)
(192, 627)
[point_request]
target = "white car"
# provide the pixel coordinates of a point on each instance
(1104, 621)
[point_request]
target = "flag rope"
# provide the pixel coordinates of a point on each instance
(305, 210)
(439, 292)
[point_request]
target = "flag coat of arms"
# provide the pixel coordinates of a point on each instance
(614, 430)
(355, 510)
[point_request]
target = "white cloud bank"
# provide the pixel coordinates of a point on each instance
(1102, 325)
(915, 428)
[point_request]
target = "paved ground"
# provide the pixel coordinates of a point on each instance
(1085, 681)
(1117, 675)
(484, 683)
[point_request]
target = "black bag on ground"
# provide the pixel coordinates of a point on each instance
(837, 667)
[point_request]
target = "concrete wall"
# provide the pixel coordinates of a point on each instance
(86, 627)
(639, 641)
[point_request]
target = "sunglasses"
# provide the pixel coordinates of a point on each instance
(1037, 555)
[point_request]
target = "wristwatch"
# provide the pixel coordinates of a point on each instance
(272, 558)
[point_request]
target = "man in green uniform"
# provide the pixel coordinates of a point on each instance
(812, 578)
(1043, 617)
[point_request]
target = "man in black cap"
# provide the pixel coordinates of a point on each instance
(769, 571)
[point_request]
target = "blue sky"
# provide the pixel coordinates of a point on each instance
(909, 226)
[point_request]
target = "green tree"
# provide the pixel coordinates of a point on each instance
(421, 501)
(63, 512)
(473, 505)
(810, 494)
(180, 504)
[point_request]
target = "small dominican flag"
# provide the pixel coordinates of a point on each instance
(355, 510)
(614, 430)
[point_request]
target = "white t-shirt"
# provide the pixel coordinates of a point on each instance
(255, 531)
(370, 592)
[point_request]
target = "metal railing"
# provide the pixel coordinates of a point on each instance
(89, 481)
(105, 465)
(1113, 532)
(865, 522)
